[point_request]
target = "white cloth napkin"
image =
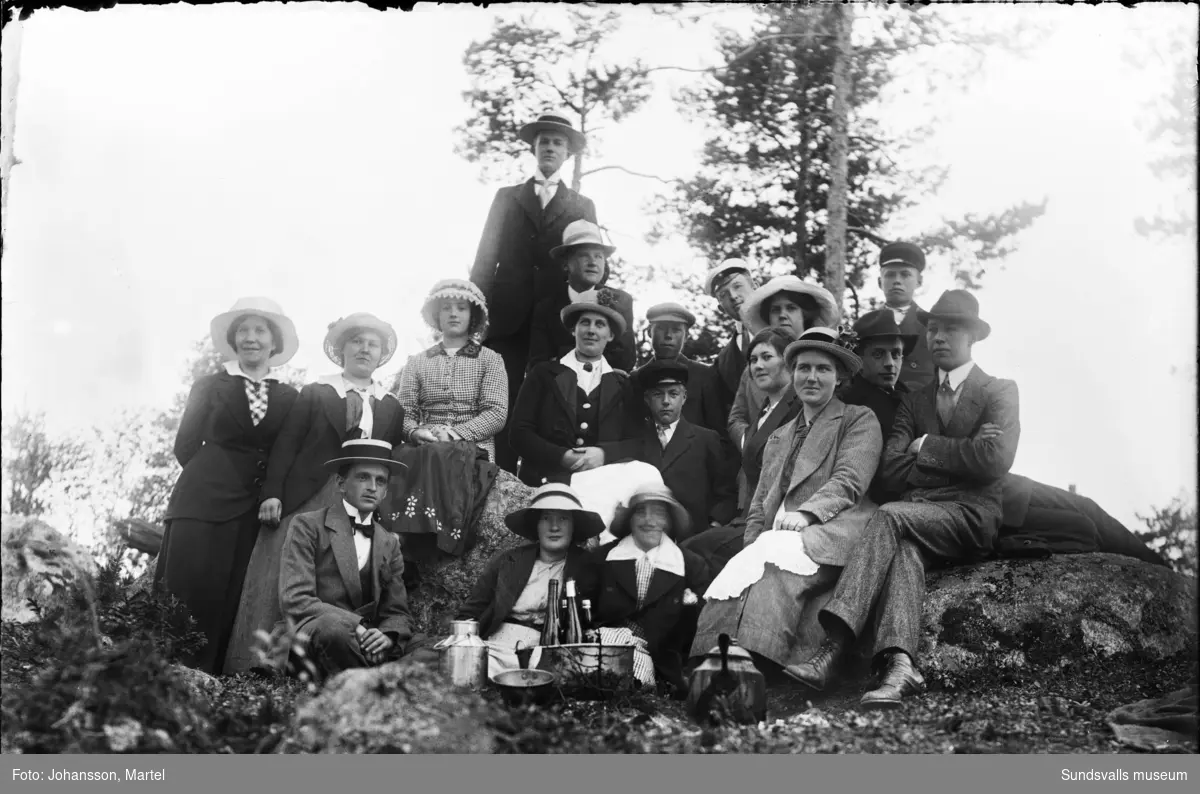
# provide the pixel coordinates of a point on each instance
(782, 548)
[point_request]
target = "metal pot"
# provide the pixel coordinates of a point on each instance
(522, 687)
(464, 655)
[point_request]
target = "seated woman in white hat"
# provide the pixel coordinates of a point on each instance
(509, 600)
(808, 510)
(229, 426)
(350, 404)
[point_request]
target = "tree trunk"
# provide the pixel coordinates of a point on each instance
(835, 233)
(11, 71)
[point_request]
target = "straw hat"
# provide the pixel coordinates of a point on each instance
(581, 232)
(602, 302)
(335, 338)
(837, 343)
(258, 307)
(680, 520)
(366, 450)
(555, 496)
(456, 289)
(755, 309)
(554, 121)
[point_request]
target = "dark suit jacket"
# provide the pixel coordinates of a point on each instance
(313, 434)
(504, 579)
(756, 440)
(663, 618)
(697, 470)
(704, 404)
(543, 424)
(917, 369)
(223, 453)
(952, 465)
(549, 340)
(731, 362)
(512, 265)
(885, 405)
(318, 576)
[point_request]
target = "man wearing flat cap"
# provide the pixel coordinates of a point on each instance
(901, 268)
(669, 326)
(692, 460)
(513, 267)
(731, 283)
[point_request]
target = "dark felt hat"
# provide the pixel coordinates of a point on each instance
(882, 322)
(960, 306)
(662, 373)
(902, 254)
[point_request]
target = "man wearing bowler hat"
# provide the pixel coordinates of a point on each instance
(901, 268)
(731, 283)
(951, 446)
(513, 267)
(669, 326)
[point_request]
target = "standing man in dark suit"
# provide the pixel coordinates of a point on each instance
(691, 459)
(513, 267)
(669, 326)
(731, 283)
(950, 448)
(901, 267)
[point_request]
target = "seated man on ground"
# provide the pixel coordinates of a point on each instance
(341, 579)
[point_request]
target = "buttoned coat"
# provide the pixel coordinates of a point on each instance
(544, 427)
(696, 469)
(703, 406)
(549, 339)
(512, 265)
(917, 369)
(223, 453)
(313, 434)
(319, 577)
(830, 479)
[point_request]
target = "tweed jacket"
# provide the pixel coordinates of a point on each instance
(543, 426)
(830, 479)
(549, 340)
(223, 453)
(318, 576)
(512, 265)
(917, 370)
(703, 406)
(697, 470)
(504, 579)
(952, 465)
(312, 434)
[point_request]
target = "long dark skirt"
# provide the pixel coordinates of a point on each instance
(203, 565)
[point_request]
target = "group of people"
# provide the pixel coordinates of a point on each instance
(791, 495)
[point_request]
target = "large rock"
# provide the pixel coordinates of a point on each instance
(41, 565)
(396, 708)
(1047, 613)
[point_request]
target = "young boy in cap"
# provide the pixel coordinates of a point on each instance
(901, 267)
(669, 326)
(731, 283)
(341, 579)
(691, 459)
(512, 266)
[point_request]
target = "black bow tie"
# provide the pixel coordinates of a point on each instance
(368, 529)
(587, 367)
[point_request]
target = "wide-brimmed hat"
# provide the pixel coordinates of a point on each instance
(555, 496)
(581, 232)
(555, 121)
(882, 322)
(454, 289)
(754, 310)
(334, 339)
(901, 254)
(670, 312)
(662, 373)
(257, 307)
(728, 267)
(681, 522)
(838, 343)
(603, 301)
(366, 450)
(961, 306)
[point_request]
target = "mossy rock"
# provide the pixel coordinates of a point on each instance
(42, 566)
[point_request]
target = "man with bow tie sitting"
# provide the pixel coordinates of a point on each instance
(341, 577)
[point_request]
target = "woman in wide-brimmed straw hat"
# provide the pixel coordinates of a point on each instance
(646, 587)
(509, 600)
(229, 426)
(808, 510)
(349, 404)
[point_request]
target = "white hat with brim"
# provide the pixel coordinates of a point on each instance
(366, 450)
(822, 340)
(256, 307)
(555, 496)
(596, 306)
(555, 122)
(579, 233)
(335, 338)
(727, 267)
(454, 289)
(756, 304)
(681, 522)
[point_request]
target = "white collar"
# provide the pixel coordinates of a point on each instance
(539, 177)
(666, 556)
(956, 376)
(352, 513)
(342, 386)
(576, 296)
(235, 368)
(901, 309)
(599, 369)
(670, 428)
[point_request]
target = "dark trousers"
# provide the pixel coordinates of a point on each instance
(514, 349)
(717, 545)
(882, 588)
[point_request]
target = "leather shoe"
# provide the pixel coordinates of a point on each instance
(818, 670)
(899, 679)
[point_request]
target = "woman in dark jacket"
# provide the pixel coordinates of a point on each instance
(349, 404)
(225, 437)
(509, 600)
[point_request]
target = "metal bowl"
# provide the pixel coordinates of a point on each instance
(521, 687)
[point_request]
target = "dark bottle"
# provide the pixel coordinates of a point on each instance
(550, 629)
(590, 632)
(572, 622)
(562, 621)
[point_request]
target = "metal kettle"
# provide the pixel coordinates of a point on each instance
(463, 656)
(728, 684)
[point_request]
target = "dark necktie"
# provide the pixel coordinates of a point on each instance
(587, 367)
(945, 402)
(354, 409)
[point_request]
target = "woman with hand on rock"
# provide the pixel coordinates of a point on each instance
(229, 426)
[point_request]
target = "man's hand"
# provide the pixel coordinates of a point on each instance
(592, 458)
(988, 431)
(270, 511)
(915, 446)
(374, 643)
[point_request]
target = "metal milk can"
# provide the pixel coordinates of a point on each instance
(464, 655)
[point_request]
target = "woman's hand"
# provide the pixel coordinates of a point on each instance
(443, 433)
(572, 460)
(792, 522)
(423, 435)
(592, 458)
(270, 511)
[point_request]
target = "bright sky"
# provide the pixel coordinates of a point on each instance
(175, 158)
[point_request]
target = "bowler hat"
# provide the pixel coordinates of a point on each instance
(721, 272)
(670, 313)
(662, 373)
(902, 254)
(960, 306)
(555, 496)
(882, 322)
(554, 121)
(366, 450)
(602, 302)
(581, 232)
